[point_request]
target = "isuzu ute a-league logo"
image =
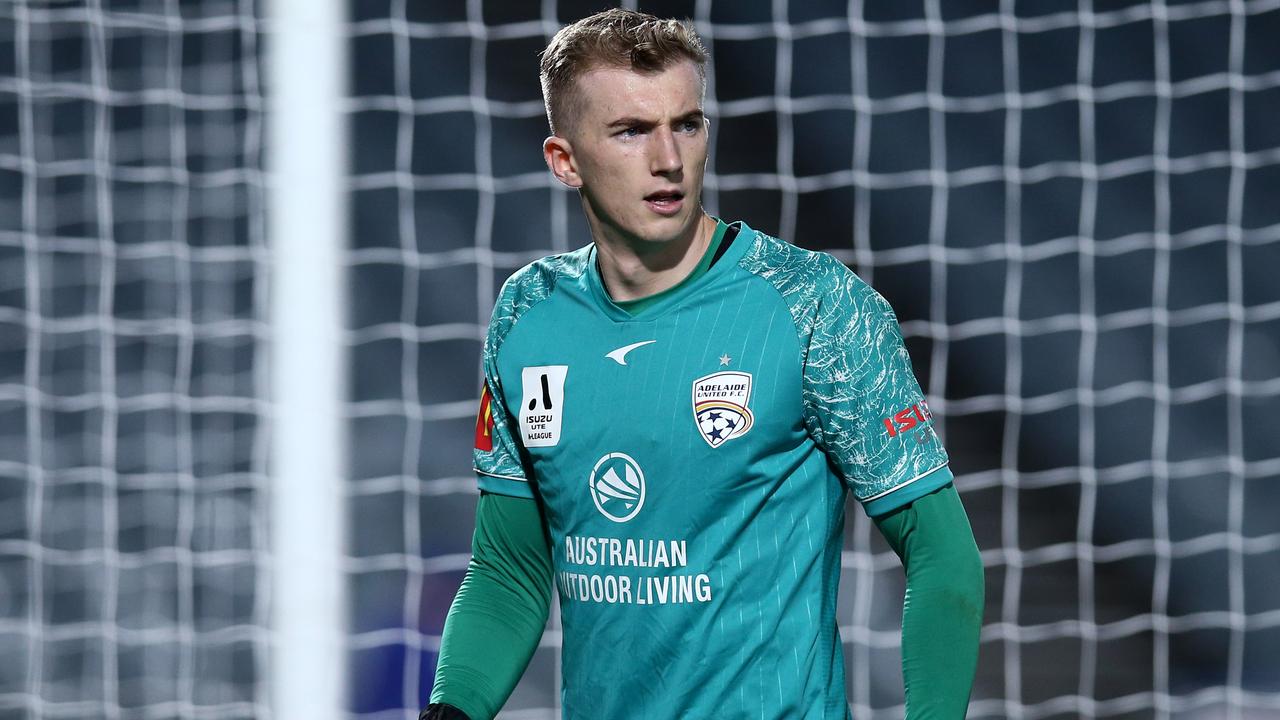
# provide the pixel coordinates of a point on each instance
(542, 406)
(617, 487)
(720, 406)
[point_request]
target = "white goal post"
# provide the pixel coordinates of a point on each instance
(304, 58)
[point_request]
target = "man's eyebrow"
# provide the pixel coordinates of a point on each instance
(640, 122)
(629, 122)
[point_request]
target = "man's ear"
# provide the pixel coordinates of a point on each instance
(558, 153)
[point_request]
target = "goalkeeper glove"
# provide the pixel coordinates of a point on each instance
(439, 711)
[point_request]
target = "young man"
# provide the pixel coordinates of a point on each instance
(672, 419)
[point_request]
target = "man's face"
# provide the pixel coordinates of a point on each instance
(640, 149)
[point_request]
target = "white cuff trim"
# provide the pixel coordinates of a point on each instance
(496, 475)
(899, 486)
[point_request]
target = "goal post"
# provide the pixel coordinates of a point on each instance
(305, 162)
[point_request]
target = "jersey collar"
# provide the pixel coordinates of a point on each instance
(679, 293)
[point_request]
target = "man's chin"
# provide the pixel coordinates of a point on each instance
(663, 230)
(647, 228)
(666, 228)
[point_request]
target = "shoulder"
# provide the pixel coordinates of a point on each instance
(533, 284)
(537, 280)
(813, 284)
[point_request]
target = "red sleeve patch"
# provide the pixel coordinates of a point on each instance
(484, 421)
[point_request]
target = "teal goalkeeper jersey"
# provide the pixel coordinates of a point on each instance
(693, 464)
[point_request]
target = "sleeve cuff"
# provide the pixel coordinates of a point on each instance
(908, 491)
(503, 484)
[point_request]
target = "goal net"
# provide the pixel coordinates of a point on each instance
(1072, 206)
(132, 447)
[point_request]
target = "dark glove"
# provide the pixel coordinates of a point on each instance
(438, 711)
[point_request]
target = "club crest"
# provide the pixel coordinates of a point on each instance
(720, 406)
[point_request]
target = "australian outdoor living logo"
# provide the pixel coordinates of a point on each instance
(617, 486)
(720, 406)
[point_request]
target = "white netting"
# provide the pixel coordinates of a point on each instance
(1072, 207)
(132, 294)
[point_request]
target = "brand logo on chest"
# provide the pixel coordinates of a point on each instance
(720, 406)
(617, 486)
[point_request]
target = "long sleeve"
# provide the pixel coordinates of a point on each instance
(942, 611)
(497, 617)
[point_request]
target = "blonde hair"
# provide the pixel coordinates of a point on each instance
(613, 38)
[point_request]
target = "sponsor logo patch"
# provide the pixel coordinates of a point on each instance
(720, 409)
(617, 487)
(484, 421)
(542, 404)
(908, 419)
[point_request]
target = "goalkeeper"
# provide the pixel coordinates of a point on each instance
(671, 421)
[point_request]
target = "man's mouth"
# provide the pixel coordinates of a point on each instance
(665, 202)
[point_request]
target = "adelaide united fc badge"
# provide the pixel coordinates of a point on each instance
(720, 408)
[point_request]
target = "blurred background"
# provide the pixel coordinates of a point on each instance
(1073, 207)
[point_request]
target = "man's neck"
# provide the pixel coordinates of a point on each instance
(630, 272)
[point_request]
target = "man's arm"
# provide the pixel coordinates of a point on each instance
(942, 611)
(498, 615)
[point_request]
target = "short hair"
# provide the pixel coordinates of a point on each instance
(613, 38)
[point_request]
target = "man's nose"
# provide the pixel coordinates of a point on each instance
(666, 154)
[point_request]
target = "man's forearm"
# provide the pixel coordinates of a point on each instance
(498, 615)
(942, 611)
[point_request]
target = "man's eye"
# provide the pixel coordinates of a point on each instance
(690, 126)
(630, 132)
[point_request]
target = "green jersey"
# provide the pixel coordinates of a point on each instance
(693, 463)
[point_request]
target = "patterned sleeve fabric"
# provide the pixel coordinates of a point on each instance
(862, 404)
(498, 456)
